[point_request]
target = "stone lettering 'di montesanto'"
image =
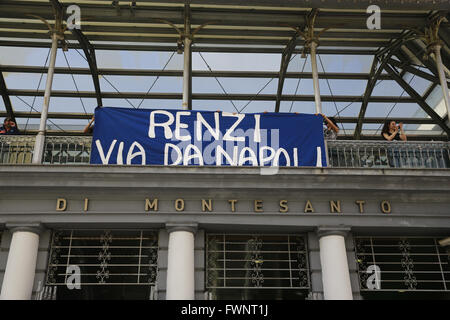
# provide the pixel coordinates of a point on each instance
(152, 204)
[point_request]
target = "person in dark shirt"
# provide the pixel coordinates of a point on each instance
(391, 131)
(9, 127)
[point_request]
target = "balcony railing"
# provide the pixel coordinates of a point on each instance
(58, 150)
(16, 149)
(388, 154)
(341, 153)
(67, 150)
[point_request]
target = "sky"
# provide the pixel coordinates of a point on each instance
(216, 61)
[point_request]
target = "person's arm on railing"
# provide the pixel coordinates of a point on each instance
(392, 136)
(332, 125)
(402, 133)
(88, 128)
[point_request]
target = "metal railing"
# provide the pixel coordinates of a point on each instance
(58, 150)
(341, 153)
(16, 149)
(388, 154)
(67, 150)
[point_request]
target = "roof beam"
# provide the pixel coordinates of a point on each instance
(200, 39)
(420, 101)
(89, 52)
(224, 16)
(212, 30)
(197, 48)
(6, 99)
(198, 73)
(83, 116)
(285, 59)
(419, 52)
(407, 67)
(51, 115)
(375, 73)
(332, 4)
(429, 90)
(205, 96)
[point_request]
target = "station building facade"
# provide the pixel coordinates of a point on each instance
(155, 232)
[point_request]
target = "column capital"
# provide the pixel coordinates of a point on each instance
(189, 227)
(436, 45)
(323, 231)
(34, 227)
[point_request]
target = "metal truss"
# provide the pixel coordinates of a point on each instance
(89, 52)
(252, 26)
(6, 99)
(375, 73)
(420, 101)
(285, 59)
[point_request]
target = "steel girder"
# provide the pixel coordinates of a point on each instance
(5, 96)
(408, 68)
(285, 59)
(89, 52)
(375, 72)
(419, 99)
(207, 96)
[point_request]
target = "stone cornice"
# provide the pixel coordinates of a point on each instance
(82, 176)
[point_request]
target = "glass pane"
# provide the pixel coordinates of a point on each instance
(236, 61)
(235, 85)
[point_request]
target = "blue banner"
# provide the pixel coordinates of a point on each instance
(185, 137)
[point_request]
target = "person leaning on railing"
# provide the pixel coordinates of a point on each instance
(391, 131)
(9, 127)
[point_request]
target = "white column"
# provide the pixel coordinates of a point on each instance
(187, 71)
(442, 78)
(187, 66)
(181, 264)
(333, 259)
(315, 76)
(21, 265)
(40, 138)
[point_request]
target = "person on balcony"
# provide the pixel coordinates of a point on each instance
(90, 127)
(332, 129)
(392, 131)
(9, 127)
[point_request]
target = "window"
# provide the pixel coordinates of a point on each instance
(410, 267)
(113, 264)
(257, 266)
